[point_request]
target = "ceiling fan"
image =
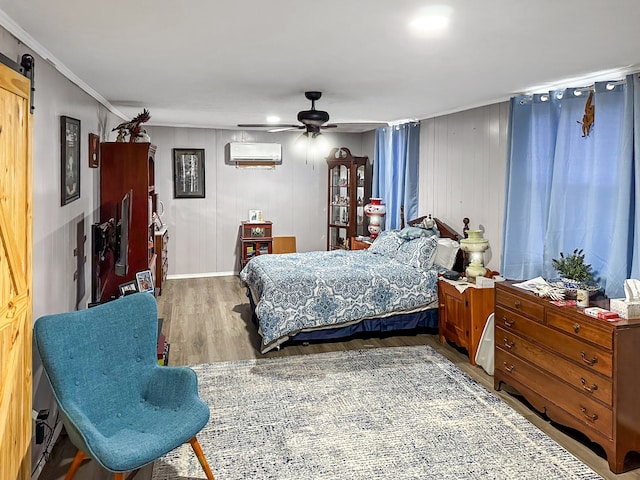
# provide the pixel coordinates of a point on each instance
(311, 120)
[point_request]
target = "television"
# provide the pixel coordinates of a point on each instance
(123, 225)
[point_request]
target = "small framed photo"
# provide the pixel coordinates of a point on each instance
(188, 173)
(128, 288)
(69, 160)
(94, 150)
(144, 281)
(157, 222)
(255, 215)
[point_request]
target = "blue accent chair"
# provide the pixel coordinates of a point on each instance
(118, 406)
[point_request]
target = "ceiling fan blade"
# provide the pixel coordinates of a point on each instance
(286, 129)
(329, 125)
(356, 127)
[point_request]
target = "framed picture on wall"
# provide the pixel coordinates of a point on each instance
(94, 150)
(69, 159)
(188, 173)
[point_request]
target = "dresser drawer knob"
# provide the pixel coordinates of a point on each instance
(517, 304)
(507, 344)
(508, 323)
(591, 418)
(591, 362)
(576, 327)
(589, 389)
(507, 367)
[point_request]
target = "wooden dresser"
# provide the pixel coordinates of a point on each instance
(581, 372)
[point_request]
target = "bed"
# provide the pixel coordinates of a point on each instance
(390, 287)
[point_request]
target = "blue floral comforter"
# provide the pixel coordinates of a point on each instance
(306, 291)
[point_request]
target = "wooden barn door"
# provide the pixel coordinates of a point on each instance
(15, 275)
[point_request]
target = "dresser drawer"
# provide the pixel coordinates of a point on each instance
(520, 304)
(582, 328)
(582, 353)
(585, 409)
(581, 378)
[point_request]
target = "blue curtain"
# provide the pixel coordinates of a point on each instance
(395, 171)
(565, 191)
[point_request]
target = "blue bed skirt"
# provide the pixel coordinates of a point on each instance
(427, 319)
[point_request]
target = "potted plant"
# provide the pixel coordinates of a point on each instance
(574, 272)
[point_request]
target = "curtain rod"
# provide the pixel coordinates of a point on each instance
(592, 86)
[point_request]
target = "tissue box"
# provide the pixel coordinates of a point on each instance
(624, 309)
(484, 282)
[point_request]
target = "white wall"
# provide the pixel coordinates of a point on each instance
(462, 171)
(204, 232)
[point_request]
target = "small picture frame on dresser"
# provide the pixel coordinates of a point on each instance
(157, 222)
(128, 288)
(255, 215)
(144, 281)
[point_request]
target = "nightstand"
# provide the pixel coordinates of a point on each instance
(359, 244)
(463, 315)
(256, 238)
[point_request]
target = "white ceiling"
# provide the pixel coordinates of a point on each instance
(219, 63)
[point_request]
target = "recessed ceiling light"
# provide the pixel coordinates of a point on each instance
(432, 19)
(273, 119)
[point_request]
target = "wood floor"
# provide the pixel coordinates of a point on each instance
(209, 320)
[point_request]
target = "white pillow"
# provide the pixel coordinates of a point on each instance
(446, 253)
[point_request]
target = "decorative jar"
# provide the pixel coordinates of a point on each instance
(375, 211)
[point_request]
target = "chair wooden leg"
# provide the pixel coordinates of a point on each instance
(119, 476)
(203, 461)
(77, 460)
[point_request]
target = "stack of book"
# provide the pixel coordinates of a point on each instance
(601, 313)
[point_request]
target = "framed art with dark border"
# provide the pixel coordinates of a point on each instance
(69, 159)
(188, 173)
(128, 288)
(94, 150)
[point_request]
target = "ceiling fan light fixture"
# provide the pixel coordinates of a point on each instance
(431, 20)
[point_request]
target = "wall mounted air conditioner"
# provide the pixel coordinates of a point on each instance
(253, 154)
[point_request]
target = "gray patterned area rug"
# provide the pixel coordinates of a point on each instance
(387, 413)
